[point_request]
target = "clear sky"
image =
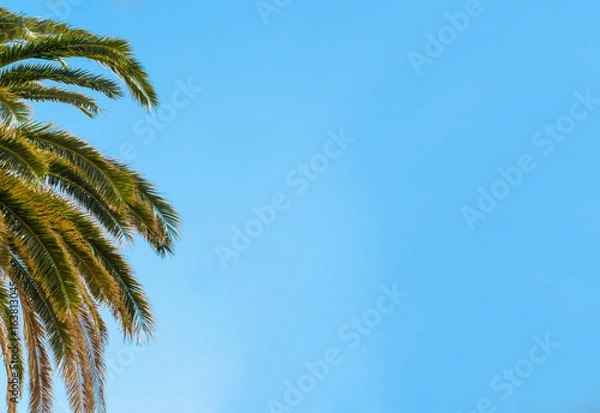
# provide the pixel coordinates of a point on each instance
(389, 147)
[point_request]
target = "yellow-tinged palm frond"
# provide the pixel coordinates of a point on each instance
(65, 209)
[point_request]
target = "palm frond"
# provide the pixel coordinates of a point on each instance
(65, 209)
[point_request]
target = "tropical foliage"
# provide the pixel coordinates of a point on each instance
(65, 212)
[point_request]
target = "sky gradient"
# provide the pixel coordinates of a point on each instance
(406, 192)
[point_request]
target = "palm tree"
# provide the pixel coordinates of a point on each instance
(65, 211)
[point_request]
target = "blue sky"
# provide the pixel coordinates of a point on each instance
(501, 307)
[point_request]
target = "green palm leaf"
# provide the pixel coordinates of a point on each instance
(65, 209)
